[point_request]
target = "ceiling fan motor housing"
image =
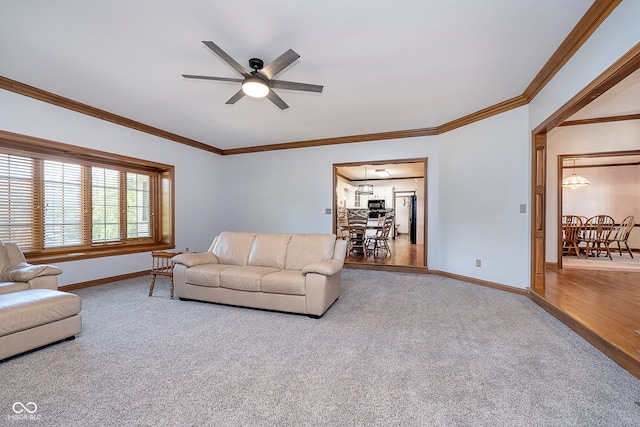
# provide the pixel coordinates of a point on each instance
(256, 63)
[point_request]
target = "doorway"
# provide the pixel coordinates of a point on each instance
(627, 65)
(376, 189)
(612, 189)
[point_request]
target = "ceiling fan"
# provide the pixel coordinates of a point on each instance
(259, 82)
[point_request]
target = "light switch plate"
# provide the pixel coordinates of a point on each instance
(523, 208)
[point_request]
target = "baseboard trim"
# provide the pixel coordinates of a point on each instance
(355, 266)
(425, 270)
(385, 267)
(480, 282)
(104, 280)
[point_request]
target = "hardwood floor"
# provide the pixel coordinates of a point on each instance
(603, 306)
(403, 253)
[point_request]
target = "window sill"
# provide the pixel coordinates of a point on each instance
(81, 255)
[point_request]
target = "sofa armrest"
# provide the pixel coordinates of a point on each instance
(326, 268)
(191, 259)
(23, 272)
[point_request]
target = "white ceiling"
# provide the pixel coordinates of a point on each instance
(622, 99)
(385, 66)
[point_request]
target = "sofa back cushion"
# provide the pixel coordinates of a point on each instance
(4, 258)
(305, 249)
(269, 250)
(233, 248)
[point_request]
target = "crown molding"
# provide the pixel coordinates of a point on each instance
(597, 13)
(70, 104)
(411, 133)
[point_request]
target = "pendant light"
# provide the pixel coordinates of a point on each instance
(365, 189)
(574, 180)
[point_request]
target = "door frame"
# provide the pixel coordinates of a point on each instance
(425, 163)
(618, 71)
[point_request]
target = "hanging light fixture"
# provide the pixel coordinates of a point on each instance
(365, 189)
(574, 180)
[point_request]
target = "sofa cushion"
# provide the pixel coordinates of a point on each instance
(195, 258)
(6, 287)
(305, 249)
(205, 274)
(289, 282)
(4, 258)
(34, 307)
(14, 253)
(233, 248)
(24, 272)
(269, 250)
(244, 278)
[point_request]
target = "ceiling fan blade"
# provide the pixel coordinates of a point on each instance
(223, 79)
(281, 84)
(229, 60)
(277, 100)
(239, 94)
(279, 64)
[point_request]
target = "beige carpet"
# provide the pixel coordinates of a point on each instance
(395, 349)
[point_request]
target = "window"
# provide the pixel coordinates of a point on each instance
(65, 203)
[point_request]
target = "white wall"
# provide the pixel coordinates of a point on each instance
(613, 191)
(484, 170)
(288, 190)
(197, 175)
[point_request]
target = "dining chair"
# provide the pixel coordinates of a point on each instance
(597, 231)
(357, 233)
(380, 241)
(623, 232)
(342, 226)
(571, 234)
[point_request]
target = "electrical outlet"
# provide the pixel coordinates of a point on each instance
(523, 208)
(187, 250)
(478, 263)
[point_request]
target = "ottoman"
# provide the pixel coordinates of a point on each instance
(36, 317)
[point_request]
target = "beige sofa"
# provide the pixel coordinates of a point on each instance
(33, 313)
(297, 273)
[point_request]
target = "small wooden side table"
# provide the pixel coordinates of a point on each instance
(162, 265)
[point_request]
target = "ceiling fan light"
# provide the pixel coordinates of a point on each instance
(255, 87)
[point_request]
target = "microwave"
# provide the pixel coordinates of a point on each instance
(376, 204)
